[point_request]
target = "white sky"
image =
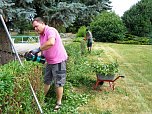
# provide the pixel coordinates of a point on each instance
(120, 6)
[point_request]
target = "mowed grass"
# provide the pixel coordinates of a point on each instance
(132, 94)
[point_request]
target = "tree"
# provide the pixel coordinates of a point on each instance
(93, 8)
(17, 11)
(13, 9)
(138, 18)
(57, 12)
(73, 12)
(108, 27)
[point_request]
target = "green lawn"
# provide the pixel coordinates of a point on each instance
(132, 94)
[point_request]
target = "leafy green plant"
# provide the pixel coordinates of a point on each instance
(137, 21)
(107, 27)
(6, 89)
(81, 32)
(83, 45)
(78, 39)
(132, 39)
(78, 70)
(15, 93)
(105, 69)
(70, 102)
(20, 100)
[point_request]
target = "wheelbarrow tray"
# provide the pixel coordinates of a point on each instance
(103, 77)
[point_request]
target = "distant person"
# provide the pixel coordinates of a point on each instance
(89, 40)
(52, 48)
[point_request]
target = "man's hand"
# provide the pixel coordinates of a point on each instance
(35, 51)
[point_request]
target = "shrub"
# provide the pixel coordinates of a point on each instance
(15, 94)
(78, 39)
(132, 39)
(107, 27)
(81, 32)
(61, 29)
(137, 21)
(105, 69)
(78, 70)
(6, 89)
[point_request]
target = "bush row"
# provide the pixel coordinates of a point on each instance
(15, 94)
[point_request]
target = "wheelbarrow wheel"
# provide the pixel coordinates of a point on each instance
(101, 83)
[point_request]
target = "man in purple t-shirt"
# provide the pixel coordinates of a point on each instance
(52, 49)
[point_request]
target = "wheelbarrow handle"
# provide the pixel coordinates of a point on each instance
(118, 78)
(122, 76)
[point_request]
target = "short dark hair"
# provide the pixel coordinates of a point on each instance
(38, 19)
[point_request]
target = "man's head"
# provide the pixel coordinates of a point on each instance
(38, 25)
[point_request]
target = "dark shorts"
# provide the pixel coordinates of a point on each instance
(55, 73)
(89, 43)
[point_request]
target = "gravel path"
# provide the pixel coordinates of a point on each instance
(21, 48)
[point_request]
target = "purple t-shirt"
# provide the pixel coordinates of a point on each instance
(56, 53)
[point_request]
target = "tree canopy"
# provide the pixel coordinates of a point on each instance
(14, 9)
(55, 12)
(138, 18)
(108, 27)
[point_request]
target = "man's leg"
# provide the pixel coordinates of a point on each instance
(90, 46)
(59, 83)
(90, 50)
(59, 93)
(46, 88)
(47, 78)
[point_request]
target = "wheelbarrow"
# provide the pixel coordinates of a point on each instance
(110, 81)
